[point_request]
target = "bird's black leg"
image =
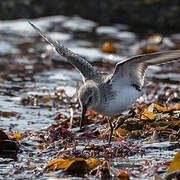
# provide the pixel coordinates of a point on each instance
(121, 120)
(111, 130)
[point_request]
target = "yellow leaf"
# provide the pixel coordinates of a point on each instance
(47, 98)
(177, 123)
(31, 167)
(136, 133)
(142, 109)
(120, 131)
(92, 163)
(17, 136)
(55, 165)
(176, 107)
(160, 108)
(175, 164)
(147, 115)
(40, 146)
(74, 165)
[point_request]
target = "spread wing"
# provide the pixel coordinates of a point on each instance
(86, 69)
(132, 70)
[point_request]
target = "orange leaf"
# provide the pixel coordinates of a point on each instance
(108, 48)
(151, 48)
(122, 175)
(61, 91)
(47, 98)
(31, 167)
(40, 146)
(155, 39)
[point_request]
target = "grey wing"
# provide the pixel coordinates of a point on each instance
(86, 69)
(131, 71)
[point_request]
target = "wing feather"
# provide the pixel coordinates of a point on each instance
(81, 64)
(132, 70)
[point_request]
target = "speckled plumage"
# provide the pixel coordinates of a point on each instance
(111, 94)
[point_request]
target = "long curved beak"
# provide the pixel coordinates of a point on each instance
(84, 109)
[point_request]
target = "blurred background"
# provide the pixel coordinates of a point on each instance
(141, 15)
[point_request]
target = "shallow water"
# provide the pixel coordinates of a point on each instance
(29, 67)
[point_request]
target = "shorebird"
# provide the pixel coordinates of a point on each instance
(111, 94)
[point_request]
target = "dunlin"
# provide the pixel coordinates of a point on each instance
(111, 94)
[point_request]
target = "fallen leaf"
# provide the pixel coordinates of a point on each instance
(176, 107)
(135, 133)
(74, 165)
(155, 39)
(17, 136)
(160, 108)
(108, 48)
(60, 116)
(175, 164)
(120, 131)
(41, 146)
(31, 167)
(147, 115)
(150, 48)
(122, 175)
(92, 163)
(148, 112)
(47, 98)
(8, 114)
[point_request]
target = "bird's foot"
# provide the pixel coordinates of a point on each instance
(132, 112)
(119, 122)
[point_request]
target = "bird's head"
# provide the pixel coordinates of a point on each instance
(89, 97)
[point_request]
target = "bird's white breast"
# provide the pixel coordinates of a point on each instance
(123, 100)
